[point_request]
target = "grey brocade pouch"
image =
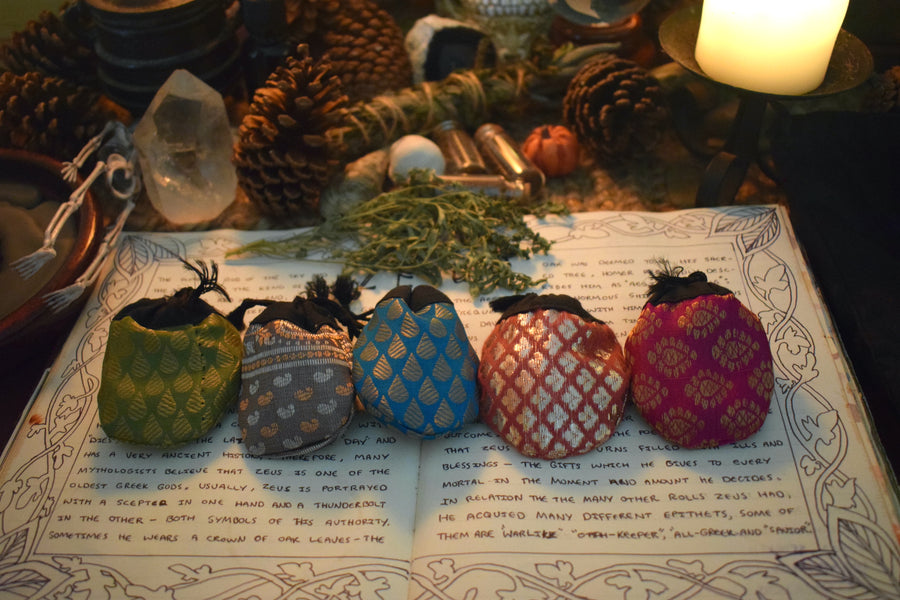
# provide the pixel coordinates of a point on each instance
(297, 394)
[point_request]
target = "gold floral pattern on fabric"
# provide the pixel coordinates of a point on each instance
(647, 392)
(701, 317)
(708, 388)
(672, 356)
(761, 379)
(643, 327)
(751, 321)
(735, 349)
(742, 417)
(706, 443)
(681, 424)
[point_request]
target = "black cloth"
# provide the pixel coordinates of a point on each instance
(841, 174)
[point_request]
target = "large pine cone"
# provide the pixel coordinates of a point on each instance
(282, 158)
(615, 107)
(48, 45)
(364, 45)
(49, 115)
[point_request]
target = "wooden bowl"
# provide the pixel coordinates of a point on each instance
(33, 324)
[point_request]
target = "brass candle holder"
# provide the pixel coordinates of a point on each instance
(851, 63)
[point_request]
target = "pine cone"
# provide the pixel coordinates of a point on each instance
(282, 158)
(49, 115)
(49, 46)
(615, 108)
(884, 95)
(365, 47)
(303, 17)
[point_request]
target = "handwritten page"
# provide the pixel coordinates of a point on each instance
(802, 509)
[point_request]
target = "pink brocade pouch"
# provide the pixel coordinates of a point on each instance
(701, 367)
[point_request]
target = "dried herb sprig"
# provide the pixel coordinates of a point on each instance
(428, 228)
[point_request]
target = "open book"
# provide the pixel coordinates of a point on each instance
(803, 509)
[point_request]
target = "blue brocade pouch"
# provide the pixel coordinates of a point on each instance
(413, 366)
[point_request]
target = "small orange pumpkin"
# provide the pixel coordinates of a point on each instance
(554, 149)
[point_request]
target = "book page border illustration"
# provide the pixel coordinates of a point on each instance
(64, 423)
(855, 517)
(857, 547)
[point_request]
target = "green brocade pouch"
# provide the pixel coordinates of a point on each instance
(172, 368)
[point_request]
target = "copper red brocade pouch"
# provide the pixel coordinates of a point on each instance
(553, 378)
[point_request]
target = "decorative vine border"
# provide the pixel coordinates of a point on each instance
(860, 559)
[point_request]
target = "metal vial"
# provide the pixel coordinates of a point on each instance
(489, 185)
(503, 154)
(459, 149)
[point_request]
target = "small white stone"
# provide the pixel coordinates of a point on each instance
(415, 152)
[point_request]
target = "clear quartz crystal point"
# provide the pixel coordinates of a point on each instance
(185, 147)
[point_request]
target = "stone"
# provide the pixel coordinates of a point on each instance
(414, 152)
(184, 142)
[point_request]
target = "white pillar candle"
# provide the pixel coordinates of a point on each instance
(772, 46)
